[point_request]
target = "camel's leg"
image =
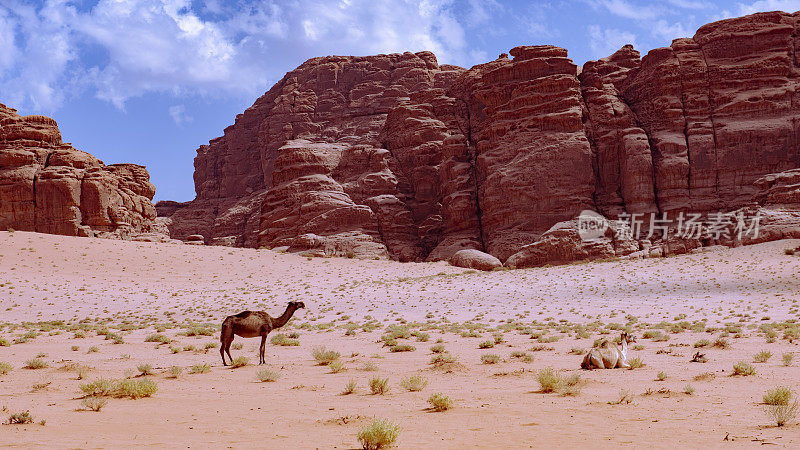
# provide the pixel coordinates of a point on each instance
(597, 361)
(225, 337)
(261, 350)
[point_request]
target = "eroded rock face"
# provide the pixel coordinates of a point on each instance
(48, 186)
(396, 156)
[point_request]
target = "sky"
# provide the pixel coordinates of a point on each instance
(149, 81)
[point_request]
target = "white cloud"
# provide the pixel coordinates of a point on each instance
(179, 116)
(119, 49)
(669, 31)
(769, 5)
(605, 41)
(624, 9)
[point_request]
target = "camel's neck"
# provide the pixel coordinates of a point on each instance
(281, 321)
(624, 348)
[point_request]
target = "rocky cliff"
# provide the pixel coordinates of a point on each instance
(48, 186)
(397, 156)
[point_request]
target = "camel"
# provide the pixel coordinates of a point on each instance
(609, 355)
(251, 324)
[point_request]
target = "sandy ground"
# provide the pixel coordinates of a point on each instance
(744, 295)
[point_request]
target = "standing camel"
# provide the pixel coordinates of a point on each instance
(251, 324)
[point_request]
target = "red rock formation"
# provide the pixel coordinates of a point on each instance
(394, 155)
(48, 186)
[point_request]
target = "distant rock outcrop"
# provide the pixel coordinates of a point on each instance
(397, 156)
(50, 187)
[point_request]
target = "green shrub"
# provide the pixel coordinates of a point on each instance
(778, 396)
(93, 403)
(20, 418)
(175, 371)
(350, 387)
(744, 369)
(490, 358)
(379, 434)
(438, 348)
(414, 383)
(336, 366)
(135, 389)
(5, 368)
(440, 402)
(702, 343)
(266, 375)
(35, 363)
(378, 385)
(762, 356)
(402, 348)
(145, 369)
(635, 363)
(98, 388)
(200, 368)
(549, 380)
(782, 414)
(158, 337)
(324, 356)
(486, 344)
(787, 359)
(241, 361)
(282, 340)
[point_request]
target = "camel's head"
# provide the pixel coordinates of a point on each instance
(628, 337)
(297, 305)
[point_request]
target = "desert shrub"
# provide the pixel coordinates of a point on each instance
(762, 356)
(635, 363)
(200, 368)
(379, 434)
(440, 402)
(443, 358)
(778, 396)
(624, 398)
(282, 340)
(787, 359)
(571, 386)
(402, 348)
(158, 337)
(145, 369)
(705, 376)
(93, 403)
(20, 418)
(782, 414)
(688, 389)
(744, 369)
(210, 345)
(324, 356)
(237, 346)
(548, 379)
(266, 375)
(4, 342)
(369, 366)
(490, 358)
(75, 348)
(702, 343)
(414, 383)
(486, 344)
(661, 376)
(175, 371)
(438, 348)
(98, 388)
(135, 389)
(241, 361)
(92, 349)
(721, 343)
(423, 337)
(5, 368)
(35, 363)
(336, 366)
(350, 387)
(378, 385)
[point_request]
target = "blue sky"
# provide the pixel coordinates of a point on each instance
(148, 81)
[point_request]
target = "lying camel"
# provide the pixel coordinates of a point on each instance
(251, 324)
(609, 355)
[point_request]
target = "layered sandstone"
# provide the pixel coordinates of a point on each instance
(396, 156)
(46, 185)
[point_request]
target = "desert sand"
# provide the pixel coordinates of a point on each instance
(57, 293)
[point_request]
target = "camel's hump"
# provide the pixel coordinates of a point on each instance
(244, 314)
